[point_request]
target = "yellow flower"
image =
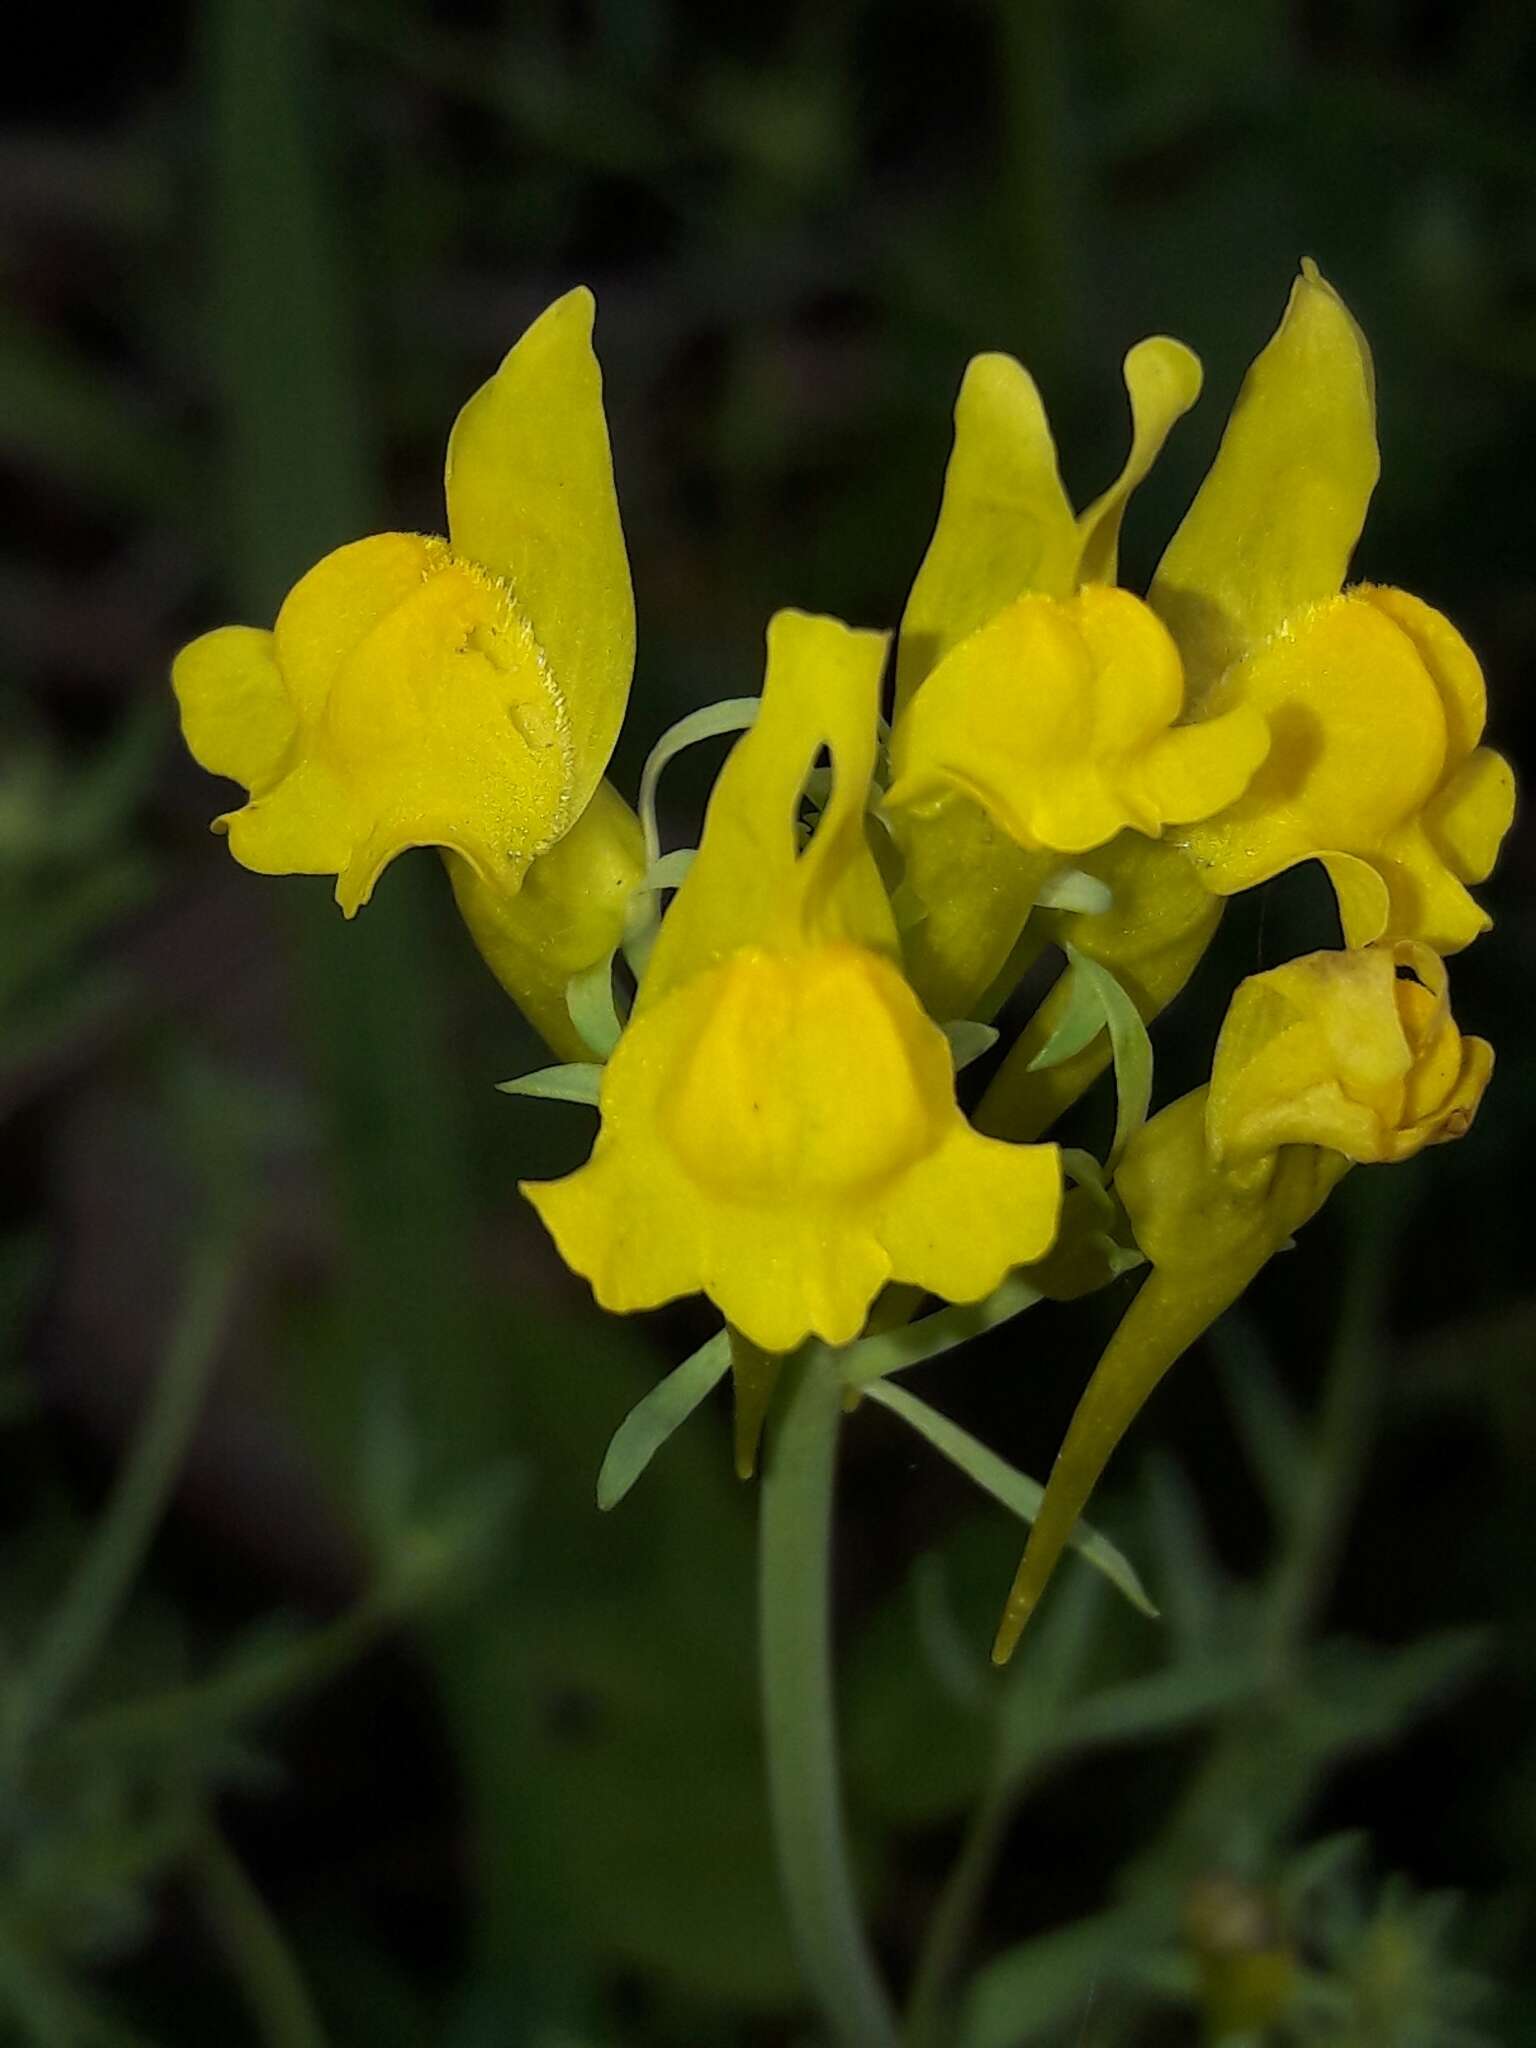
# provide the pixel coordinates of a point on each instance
(462, 693)
(1374, 703)
(1037, 704)
(1356, 1051)
(1330, 1060)
(779, 1125)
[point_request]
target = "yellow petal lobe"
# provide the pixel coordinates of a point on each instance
(531, 498)
(1273, 526)
(1005, 524)
(1162, 379)
(1374, 707)
(1057, 718)
(236, 714)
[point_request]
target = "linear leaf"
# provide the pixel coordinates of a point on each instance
(652, 1420)
(1014, 1489)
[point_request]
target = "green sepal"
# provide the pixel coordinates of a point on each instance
(653, 1418)
(968, 1041)
(594, 1011)
(578, 1082)
(755, 1374)
(1006, 1484)
(1073, 889)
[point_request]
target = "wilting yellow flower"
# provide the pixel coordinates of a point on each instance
(1036, 705)
(1329, 1060)
(1374, 702)
(1356, 1051)
(779, 1125)
(462, 693)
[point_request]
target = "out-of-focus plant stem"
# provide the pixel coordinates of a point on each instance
(949, 1929)
(1346, 1423)
(94, 1598)
(798, 1706)
(254, 1947)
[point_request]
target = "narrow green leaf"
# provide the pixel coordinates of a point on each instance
(642, 917)
(589, 998)
(652, 1420)
(914, 1343)
(1014, 1489)
(732, 714)
(1164, 1702)
(579, 1082)
(1132, 1049)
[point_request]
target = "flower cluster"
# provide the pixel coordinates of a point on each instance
(1069, 765)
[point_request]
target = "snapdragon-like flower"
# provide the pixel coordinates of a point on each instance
(1038, 707)
(462, 693)
(779, 1124)
(1374, 703)
(1332, 1060)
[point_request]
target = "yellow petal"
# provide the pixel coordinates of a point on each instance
(1163, 380)
(336, 605)
(1426, 900)
(301, 826)
(750, 882)
(1274, 524)
(1449, 661)
(531, 498)
(971, 1210)
(1358, 744)
(1193, 771)
(1470, 814)
(1005, 525)
(236, 717)
(1365, 902)
(449, 730)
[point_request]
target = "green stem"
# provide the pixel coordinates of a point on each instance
(254, 1947)
(95, 1596)
(949, 1930)
(1345, 1427)
(800, 1729)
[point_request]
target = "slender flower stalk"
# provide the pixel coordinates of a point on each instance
(799, 1716)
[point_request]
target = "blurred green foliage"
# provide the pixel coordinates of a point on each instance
(495, 1778)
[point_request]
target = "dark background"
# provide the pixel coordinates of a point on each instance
(254, 256)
